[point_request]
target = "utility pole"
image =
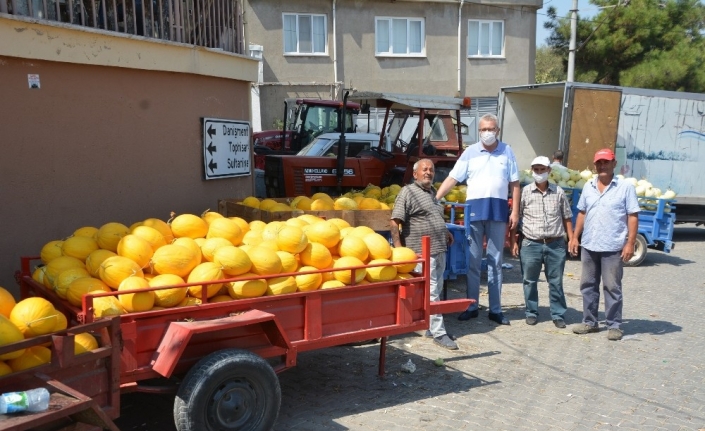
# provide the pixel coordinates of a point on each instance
(573, 37)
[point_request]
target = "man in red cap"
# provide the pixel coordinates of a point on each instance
(608, 221)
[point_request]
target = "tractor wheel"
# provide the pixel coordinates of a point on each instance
(639, 251)
(228, 390)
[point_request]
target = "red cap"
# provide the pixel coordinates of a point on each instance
(604, 154)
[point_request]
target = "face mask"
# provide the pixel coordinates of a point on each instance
(540, 178)
(487, 138)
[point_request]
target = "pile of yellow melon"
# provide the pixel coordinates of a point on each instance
(208, 250)
(29, 318)
(370, 198)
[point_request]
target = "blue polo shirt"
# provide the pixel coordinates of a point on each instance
(488, 176)
(605, 227)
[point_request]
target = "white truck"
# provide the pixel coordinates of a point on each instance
(659, 135)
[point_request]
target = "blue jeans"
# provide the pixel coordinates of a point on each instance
(495, 232)
(605, 265)
(533, 256)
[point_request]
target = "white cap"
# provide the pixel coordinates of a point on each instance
(541, 160)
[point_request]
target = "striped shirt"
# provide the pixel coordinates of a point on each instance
(542, 213)
(420, 214)
(488, 176)
(605, 227)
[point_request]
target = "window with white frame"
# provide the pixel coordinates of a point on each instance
(404, 37)
(485, 38)
(304, 34)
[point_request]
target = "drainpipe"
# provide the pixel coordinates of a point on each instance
(335, 57)
(460, 40)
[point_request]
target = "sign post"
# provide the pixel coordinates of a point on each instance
(227, 151)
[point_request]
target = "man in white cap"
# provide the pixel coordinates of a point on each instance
(545, 217)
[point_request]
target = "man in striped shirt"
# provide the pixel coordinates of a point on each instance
(545, 217)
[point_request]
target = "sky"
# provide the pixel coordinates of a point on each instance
(585, 9)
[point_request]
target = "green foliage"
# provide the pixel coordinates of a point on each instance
(277, 124)
(656, 44)
(549, 66)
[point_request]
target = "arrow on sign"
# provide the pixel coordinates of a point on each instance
(212, 148)
(213, 165)
(211, 131)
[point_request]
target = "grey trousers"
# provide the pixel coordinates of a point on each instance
(438, 266)
(608, 267)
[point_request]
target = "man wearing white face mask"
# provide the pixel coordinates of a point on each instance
(545, 218)
(491, 171)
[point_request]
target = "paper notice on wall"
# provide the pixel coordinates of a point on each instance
(33, 81)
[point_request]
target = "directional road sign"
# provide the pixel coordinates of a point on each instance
(227, 151)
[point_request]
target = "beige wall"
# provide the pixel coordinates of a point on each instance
(97, 144)
(358, 67)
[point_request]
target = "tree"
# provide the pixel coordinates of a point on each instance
(656, 44)
(549, 66)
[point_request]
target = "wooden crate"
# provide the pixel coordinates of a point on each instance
(375, 219)
(231, 208)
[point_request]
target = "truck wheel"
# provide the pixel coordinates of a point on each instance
(639, 251)
(230, 389)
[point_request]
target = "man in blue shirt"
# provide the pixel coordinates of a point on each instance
(608, 221)
(490, 169)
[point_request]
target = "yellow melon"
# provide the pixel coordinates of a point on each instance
(232, 260)
(110, 234)
(264, 261)
(88, 231)
(241, 289)
(191, 244)
(199, 241)
(162, 227)
(51, 250)
(174, 259)
(136, 249)
(361, 231)
(84, 343)
(38, 275)
(321, 195)
(34, 316)
(270, 244)
(220, 298)
(81, 286)
(332, 284)
(151, 235)
(135, 224)
(64, 280)
(325, 233)
(281, 285)
(291, 239)
(381, 273)
(32, 357)
(266, 204)
(136, 302)
(401, 254)
(253, 237)
(403, 276)
(316, 255)
(227, 229)
(7, 302)
(257, 225)
(308, 281)
(95, 259)
(206, 273)
(189, 301)
(168, 297)
(61, 321)
(246, 247)
(188, 225)
(294, 202)
(304, 204)
(57, 266)
(241, 223)
(289, 262)
(210, 246)
(10, 333)
(322, 205)
(272, 229)
(106, 306)
(345, 204)
(339, 222)
(345, 276)
(117, 268)
(4, 369)
(295, 221)
(209, 216)
(280, 207)
(251, 201)
(345, 231)
(353, 246)
(378, 246)
(79, 247)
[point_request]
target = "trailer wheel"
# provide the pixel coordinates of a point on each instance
(639, 251)
(230, 389)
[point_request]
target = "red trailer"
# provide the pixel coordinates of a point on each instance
(223, 355)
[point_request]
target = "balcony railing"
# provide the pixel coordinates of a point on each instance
(210, 23)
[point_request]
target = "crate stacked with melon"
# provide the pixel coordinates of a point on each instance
(368, 207)
(218, 258)
(30, 318)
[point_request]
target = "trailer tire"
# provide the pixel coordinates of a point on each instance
(639, 251)
(230, 389)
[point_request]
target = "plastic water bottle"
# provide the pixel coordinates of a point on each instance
(34, 400)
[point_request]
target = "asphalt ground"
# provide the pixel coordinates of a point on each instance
(515, 377)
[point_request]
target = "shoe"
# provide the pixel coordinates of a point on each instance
(560, 323)
(614, 334)
(498, 318)
(583, 328)
(467, 315)
(428, 334)
(531, 320)
(445, 342)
